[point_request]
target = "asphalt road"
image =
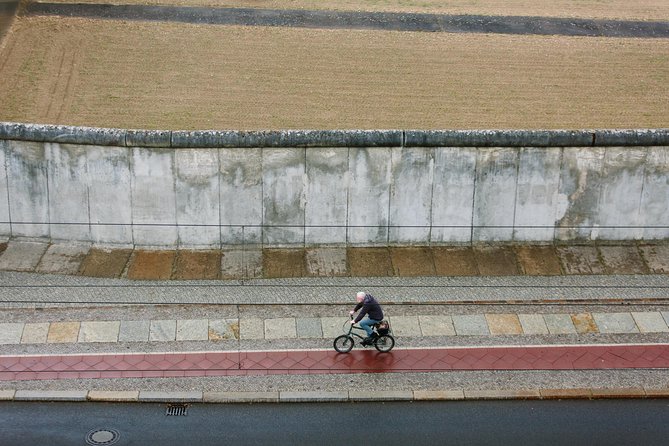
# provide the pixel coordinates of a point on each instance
(575, 422)
(360, 20)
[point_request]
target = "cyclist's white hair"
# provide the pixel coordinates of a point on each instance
(361, 294)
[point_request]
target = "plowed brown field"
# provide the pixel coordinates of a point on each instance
(184, 76)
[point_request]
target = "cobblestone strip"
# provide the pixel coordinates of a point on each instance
(329, 327)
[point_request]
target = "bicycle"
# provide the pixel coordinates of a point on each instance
(384, 341)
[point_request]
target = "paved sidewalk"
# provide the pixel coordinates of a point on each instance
(73, 337)
(421, 325)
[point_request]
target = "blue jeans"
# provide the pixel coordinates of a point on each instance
(367, 323)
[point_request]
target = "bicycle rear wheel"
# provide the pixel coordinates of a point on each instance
(343, 343)
(384, 343)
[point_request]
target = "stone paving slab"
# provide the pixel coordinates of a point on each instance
(251, 329)
(242, 264)
(559, 324)
(405, 326)
(106, 331)
(650, 322)
(503, 324)
(584, 323)
(283, 263)
(151, 265)
(533, 324)
(622, 260)
(280, 328)
(326, 262)
(580, 260)
(471, 325)
(412, 262)
(369, 262)
(436, 325)
(454, 261)
(220, 329)
(105, 262)
(192, 329)
(163, 330)
(309, 328)
(22, 255)
(656, 257)
(35, 333)
(538, 260)
(134, 331)
(195, 265)
(332, 326)
(11, 333)
(63, 332)
(496, 260)
(63, 258)
(615, 323)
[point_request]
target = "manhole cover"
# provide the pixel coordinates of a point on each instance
(102, 436)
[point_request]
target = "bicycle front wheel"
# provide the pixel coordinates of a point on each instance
(384, 343)
(343, 343)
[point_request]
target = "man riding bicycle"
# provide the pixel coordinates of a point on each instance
(369, 307)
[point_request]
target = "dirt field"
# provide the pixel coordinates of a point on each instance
(611, 9)
(181, 76)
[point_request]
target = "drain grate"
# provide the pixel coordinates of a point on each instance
(102, 437)
(177, 410)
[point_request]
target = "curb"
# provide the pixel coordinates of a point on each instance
(195, 397)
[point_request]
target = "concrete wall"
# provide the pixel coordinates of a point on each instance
(356, 188)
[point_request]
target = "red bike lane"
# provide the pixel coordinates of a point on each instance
(272, 362)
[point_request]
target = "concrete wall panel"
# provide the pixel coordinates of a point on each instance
(283, 196)
(28, 190)
(622, 184)
(5, 228)
(453, 194)
(326, 196)
(369, 195)
(198, 203)
(654, 207)
(109, 194)
(495, 194)
(68, 192)
(153, 197)
(536, 194)
(579, 194)
(241, 196)
(412, 172)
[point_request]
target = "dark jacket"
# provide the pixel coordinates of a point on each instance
(370, 307)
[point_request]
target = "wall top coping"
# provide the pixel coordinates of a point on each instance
(331, 138)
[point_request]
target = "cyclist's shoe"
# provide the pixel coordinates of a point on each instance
(369, 340)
